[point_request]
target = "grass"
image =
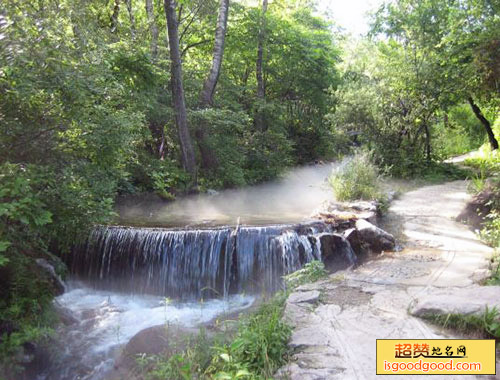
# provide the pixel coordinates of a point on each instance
(358, 178)
(485, 160)
(485, 325)
(311, 272)
(494, 269)
(254, 351)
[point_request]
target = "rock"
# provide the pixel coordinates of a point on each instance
(344, 215)
(466, 301)
(212, 192)
(375, 238)
(162, 339)
(309, 297)
(65, 315)
(352, 236)
(370, 206)
(54, 279)
(336, 251)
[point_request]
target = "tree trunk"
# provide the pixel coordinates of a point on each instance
(131, 18)
(427, 143)
(261, 90)
(114, 16)
(187, 152)
(153, 27)
(158, 133)
(209, 160)
(207, 94)
(485, 122)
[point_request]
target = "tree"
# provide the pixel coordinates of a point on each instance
(153, 27)
(209, 160)
(451, 37)
(187, 152)
(207, 94)
(261, 90)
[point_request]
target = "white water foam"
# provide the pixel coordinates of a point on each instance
(107, 320)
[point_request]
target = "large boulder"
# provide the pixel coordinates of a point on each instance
(354, 239)
(374, 237)
(336, 251)
(475, 300)
(165, 340)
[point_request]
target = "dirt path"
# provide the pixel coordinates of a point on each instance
(338, 320)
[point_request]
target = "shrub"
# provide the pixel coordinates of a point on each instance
(485, 160)
(259, 347)
(358, 178)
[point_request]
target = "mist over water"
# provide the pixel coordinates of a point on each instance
(274, 241)
(290, 199)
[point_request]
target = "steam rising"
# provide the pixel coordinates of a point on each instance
(289, 200)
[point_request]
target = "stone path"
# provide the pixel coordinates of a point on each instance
(338, 320)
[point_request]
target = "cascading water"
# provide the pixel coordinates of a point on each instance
(201, 263)
(121, 275)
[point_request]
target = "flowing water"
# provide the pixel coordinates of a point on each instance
(122, 275)
(195, 264)
(106, 320)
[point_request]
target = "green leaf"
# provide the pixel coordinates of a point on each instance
(4, 245)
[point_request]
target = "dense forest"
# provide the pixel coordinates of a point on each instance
(107, 98)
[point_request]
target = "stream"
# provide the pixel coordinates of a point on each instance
(106, 320)
(225, 249)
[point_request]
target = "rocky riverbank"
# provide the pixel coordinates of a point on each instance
(337, 321)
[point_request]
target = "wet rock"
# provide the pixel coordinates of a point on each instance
(466, 301)
(162, 339)
(65, 315)
(352, 236)
(336, 251)
(54, 279)
(375, 238)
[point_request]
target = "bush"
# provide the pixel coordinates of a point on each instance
(260, 347)
(485, 160)
(257, 350)
(358, 178)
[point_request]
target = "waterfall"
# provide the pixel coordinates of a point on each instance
(202, 263)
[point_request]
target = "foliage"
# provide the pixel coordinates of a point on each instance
(486, 161)
(311, 272)
(256, 351)
(404, 95)
(356, 178)
(457, 132)
(487, 164)
(491, 230)
(86, 114)
(494, 269)
(486, 325)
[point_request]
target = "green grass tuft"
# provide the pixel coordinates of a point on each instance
(358, 178)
